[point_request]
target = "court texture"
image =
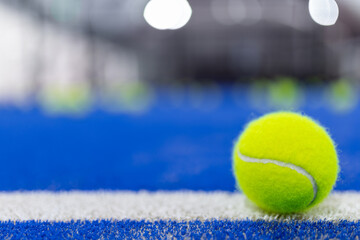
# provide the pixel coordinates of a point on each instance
(160, 173)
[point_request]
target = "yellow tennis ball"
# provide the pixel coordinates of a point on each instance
(285, 162)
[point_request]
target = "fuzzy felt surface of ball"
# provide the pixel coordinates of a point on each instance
(285, 162)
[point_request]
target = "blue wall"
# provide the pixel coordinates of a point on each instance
(166, 147)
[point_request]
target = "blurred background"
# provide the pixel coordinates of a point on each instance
(138, 94)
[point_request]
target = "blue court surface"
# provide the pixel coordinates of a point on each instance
(162, 173)
(211, 229)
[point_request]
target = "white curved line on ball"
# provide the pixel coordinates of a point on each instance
(282, 164)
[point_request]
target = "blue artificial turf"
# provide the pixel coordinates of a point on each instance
(212, 229)
(165, 148)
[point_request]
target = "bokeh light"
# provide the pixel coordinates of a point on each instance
(65, 99)
(324, 12)
(341, 96)
(129, 97)
(167, 14)
(284, 94)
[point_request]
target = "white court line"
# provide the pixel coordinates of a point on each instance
(76, 205)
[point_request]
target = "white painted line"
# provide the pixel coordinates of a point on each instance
(75, 205)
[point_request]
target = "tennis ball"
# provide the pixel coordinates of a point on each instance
(285, 162)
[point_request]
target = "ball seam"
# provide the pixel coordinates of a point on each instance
(282, 164)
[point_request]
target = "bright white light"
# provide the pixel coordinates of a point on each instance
(324, 12)
(167, 14)
(185, 15)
